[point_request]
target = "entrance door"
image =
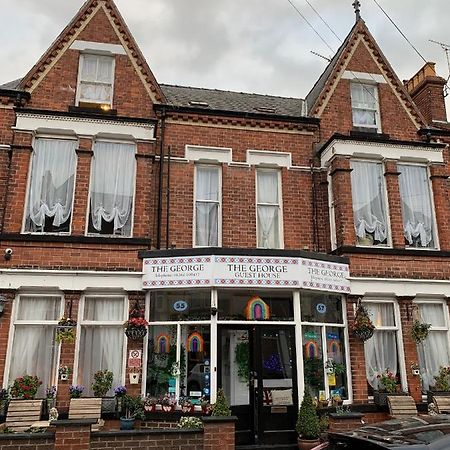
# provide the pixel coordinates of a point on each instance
(257, 371)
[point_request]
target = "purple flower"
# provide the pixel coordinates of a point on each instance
(76, 390)
(50, 392)
(120, 391)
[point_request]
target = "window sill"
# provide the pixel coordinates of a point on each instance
(58, 238)
(93, 111)
(345, 250)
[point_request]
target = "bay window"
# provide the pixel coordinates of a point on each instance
(418, 223)
(433, 352)
(112, 188)
(51, 186)
(95, 80)
(365, 106)
(34, 350)
(382, 350)
(101, 339)
(268, 209)
(369, 203)
(207, 206)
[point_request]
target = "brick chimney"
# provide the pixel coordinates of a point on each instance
(427, 91)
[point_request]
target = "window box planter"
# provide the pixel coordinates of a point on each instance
(431, 394)
(380, 397)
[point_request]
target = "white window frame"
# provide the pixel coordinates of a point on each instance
(279, 205)
(389, 243)
(364, 85)
(14, 322)
(219, 203)
(178, 324)
(133, 207)
(434, 230)
(399, 336)
(299, 345)
(27, 194)
(119, 323)
(79, 80)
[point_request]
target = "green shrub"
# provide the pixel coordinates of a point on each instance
(221, 407)
(103, 380)
(307, 426)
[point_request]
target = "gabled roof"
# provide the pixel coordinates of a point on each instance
(12, 85)
(192, 97)
(320, 93)
(71, 31)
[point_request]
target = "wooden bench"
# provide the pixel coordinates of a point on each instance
(401, 406)
(22, 414)
(87, 408)
(442, 404)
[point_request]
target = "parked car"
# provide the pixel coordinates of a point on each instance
(413, 433)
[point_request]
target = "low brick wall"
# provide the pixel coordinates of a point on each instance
(169, 439)
(27, 441)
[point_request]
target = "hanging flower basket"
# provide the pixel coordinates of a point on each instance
(65, 330)
(136, 325)
(363, 328)
(136, 333)
(419, 331)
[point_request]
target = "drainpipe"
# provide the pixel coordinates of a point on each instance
(314, 201)
(161, 174)
(168, 199)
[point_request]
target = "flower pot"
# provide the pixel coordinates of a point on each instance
(431, 394)
(136, 334)
(307, 444)
(380, 397)
(126, 424)
(149, 408)
(167, 408)
(108, 405)
(363, 333)
(187, 409)
(48, 405)
(3, 407)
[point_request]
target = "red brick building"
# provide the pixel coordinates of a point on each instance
(248, 227)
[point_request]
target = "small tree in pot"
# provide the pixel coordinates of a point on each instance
(134, 409)
(308, 425)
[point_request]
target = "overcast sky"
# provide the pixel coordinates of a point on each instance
(260, 46)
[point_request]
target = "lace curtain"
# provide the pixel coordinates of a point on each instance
(52, 182)
(364, 104)
(34, 351)
(416, 205)
(381, 349)
(434, 351)
(96, 79)
(369, 207)
(112, 185)
(268, 209)
(207, 207)
(101, 345)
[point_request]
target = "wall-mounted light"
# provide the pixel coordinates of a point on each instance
(2, 304)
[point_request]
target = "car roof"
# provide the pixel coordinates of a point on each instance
(414, 433)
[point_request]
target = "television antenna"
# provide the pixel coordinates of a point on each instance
(446, 48)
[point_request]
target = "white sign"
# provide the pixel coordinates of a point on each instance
(321, 308)
(282, 397)
(245, 271)
(180, 306)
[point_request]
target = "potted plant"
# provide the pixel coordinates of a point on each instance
(50, 398)
(133, 408)
(419, 331)
(150, 404)
(441, 385)
(167, 403)
(362, 326)
(136, 325)
(336, 400)
(25, 387)
(102, 383)
(221, 407)
(190, 423)
(205, 405)
(119, 392)
(75, 390)
(64, 373)
(387, 385)
(4, 400)
(65, 330)
(307, 426)
(186, 405)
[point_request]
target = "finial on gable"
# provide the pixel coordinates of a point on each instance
(357, 5)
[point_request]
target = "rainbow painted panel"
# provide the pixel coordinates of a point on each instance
(162, 344)
(334, 346)
(257, 309)
(195, 342)
(312, 349)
